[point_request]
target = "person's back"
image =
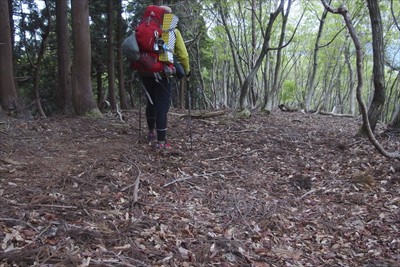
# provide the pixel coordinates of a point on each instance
(156, 68)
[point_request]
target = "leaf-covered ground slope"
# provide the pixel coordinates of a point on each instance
(288, 189)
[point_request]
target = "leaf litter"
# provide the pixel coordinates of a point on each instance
(287, 189)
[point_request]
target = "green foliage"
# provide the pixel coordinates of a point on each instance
(133, 11)
(288, 91)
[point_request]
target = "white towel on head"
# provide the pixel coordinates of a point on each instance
(167, 9)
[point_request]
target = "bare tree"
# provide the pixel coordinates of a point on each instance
(264, 51)
(8, 93)
(311, 80)
(278, 63)
(83, 99)
(236, 65)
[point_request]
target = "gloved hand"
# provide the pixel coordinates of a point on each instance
(180, 73)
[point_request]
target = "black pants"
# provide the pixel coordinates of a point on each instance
(158, 106)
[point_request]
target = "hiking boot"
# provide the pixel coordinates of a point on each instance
(151, 137)
(163, 145)
(166, 149)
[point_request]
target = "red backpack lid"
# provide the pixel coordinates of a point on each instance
(154, 12)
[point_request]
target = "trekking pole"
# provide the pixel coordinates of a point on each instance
(190, 115)
(148, 97)
(132, 81)
(140, 112)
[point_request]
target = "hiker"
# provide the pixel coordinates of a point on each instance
(157, 80)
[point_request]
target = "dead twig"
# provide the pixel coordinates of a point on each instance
(236, 155)
(178, 180)
(119, 112)
(336, 114)
(9, 161)
(308, 193)
(56, 206)
(136, 189)
(195, 176)
(136, 184)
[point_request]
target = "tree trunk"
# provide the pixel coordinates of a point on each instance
(63, 91)
(12, 33)
(378, 100)
(111, 57)
(11, 14)
(8, 93)
(120, 59)
(311, 81)
(99, 89)
(83, 99)
(252, 88)
(395, 122)
(352, 94)
(182, 87)
(206, 103)
(225, 84)
(214, 84)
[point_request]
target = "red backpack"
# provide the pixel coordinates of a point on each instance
(148, 32)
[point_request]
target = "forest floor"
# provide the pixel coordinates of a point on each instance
(285, 189)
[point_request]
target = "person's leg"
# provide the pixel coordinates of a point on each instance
(151, 116)
(162, 100)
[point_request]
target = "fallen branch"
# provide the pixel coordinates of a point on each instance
(201, 115)
(56, 206)
(136, 189)
(336, 114)
(284, 108)
(178, 180)
(209, 121)
(10, 161)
